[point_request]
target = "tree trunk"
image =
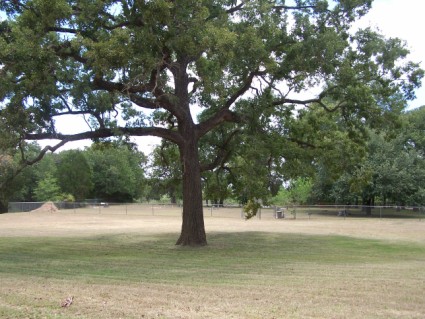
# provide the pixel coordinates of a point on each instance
(193, 229)
(4, 206)
(173, 198)
(368, 207)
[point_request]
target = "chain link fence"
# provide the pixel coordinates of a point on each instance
(230, 211)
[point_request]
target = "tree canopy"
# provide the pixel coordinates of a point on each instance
(387, 169)
(117, 170)
(74, 174)
(142, 67)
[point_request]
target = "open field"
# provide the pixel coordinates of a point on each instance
(127, 266)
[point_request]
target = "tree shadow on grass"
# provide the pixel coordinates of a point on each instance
(154, 258)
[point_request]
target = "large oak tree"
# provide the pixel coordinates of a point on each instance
(143, 67)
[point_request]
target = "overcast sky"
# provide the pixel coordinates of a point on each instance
(403, 19)
(393, 18)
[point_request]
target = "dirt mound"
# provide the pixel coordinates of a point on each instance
(46, 207)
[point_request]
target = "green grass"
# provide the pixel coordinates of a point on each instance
(238, 275)
(229, 258)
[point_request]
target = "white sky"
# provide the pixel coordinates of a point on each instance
(394, 18)
(403, 19)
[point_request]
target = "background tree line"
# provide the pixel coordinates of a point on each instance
(382, 167)
(386, 168)
(111, 171)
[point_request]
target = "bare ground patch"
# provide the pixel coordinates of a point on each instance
(83, 223)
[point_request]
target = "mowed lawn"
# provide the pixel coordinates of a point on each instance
(129, 267)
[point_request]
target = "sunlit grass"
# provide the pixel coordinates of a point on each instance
(238, 275)
(227, 258)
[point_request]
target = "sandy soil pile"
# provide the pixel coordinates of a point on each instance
(46, 207)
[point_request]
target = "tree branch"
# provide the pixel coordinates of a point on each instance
(221, 116)
(62, 30)
(224, 114)
(25, 162)
(245, 87)
(144, 102)
(100, 84)
(278, 8)
(305, 103)
(167, 134)
(293, 7)
(65, 50)
(302, 143)
(70, 112)
(236, 8)
(133, 91)
(222, 154)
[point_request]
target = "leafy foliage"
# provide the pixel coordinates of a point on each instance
(16, 180)
(165, 172)
(74, 174)
(118, 174)
(298, 192)
(251, 209)
(137, 68)
(47, 189)
(392, 171)
(415, 130)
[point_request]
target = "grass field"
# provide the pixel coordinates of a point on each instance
(127, 266)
